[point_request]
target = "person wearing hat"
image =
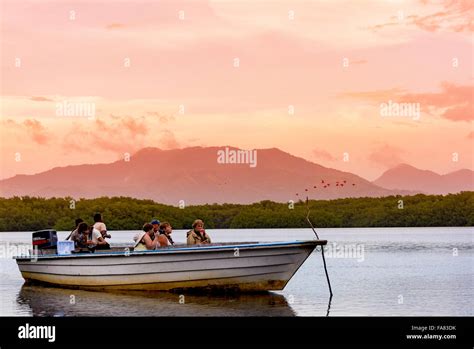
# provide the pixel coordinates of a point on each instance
(198, 235)
(156, 226)
(144, 239)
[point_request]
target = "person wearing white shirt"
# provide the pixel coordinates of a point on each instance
(100, 226)
(98, 240)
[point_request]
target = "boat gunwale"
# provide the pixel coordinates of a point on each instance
(174, 261)
(172, 250)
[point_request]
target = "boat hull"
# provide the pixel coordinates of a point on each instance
(244, 267)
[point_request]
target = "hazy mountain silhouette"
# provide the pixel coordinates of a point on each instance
(194, 175)
(406, 177)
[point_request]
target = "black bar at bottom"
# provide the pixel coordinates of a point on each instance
(448, 332)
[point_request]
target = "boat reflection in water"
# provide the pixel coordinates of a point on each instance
(50, 301)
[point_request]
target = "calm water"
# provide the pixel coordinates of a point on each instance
(378, 271)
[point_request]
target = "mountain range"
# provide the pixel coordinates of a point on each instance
(197, 175)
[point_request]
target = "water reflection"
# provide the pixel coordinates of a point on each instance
(48, 301)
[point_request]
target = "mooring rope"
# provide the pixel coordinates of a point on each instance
(322, 249)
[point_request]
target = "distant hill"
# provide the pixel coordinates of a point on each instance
(406, 177)
(195, 176)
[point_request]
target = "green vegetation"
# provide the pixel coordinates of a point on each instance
(123, 213)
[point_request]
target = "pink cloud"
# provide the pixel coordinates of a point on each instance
(387, 155)
(41, 99)
(375, 28)
(33, 128)
(37, 131)
(376, 95)
(161, 117)
(454, 102)
(455, 15)
(133, 126)
(117, 124)
(323, 155)
(9, 123)
(115, 146)
(460, 113)
(168, 140)
(116, 134)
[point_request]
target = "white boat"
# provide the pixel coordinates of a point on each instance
(239, 266)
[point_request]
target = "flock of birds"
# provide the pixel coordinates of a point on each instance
(327, 184)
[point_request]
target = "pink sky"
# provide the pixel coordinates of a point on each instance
(334, 62)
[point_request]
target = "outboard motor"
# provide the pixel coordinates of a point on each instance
(45, 239)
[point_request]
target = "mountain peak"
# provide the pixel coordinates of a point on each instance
(407, 177)
(147, 150)
(403, 166)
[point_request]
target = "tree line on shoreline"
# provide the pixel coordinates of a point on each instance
(125, 213)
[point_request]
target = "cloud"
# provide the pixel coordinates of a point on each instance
(161, 117)
(453, 102)
(124, 134)
(168, 140)
(323, 155)
(41, 99)
(460, 113)
(77, 140)
(9, 123)
(133, 126)
(37, 131)
(33, 128)
(383, 25)
(113, 145)
(115, 125)
(470, 135)
(115, 133)
(455, 15)
(376, 96)
(387, 155)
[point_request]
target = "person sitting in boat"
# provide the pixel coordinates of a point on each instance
(144, 240)
(78, 221)
(165, 234)
(97, 239)
(198, 235)
(156, 226)
(80, 236)
(100, 226)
